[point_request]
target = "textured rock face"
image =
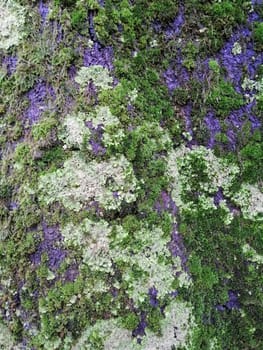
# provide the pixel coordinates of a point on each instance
(131, 162)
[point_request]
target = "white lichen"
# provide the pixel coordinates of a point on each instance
(12, 20)
(7, 341)
(254, 87)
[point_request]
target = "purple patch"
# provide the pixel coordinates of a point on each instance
(177, 76)
(140, 330)
(10, 62)
(97, 148)
(165, 203)
(115, 194)
(175, 27)
(171, 79)
(96, 139)
(236, 120)
(178, 249)
(13, 206)
(98, 55)
(232, 302)
(219, 196)
(51, 239)
(213, 126)
(37, 97)
(153, 296)
(43, 11)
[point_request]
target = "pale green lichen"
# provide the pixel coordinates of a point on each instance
(79, 183)
(250, 200)
(228, 217)
(151, 258)
(147, 253)
(74, 130)
(12, 20)
(103, 116)
(237, 48)
(113, 133)
(201, 167)
(92, 238)
(251, 254)
(108, 334)
(97, 74)
(113, 337)
(177, 314)
(132, 95)
(7, 341)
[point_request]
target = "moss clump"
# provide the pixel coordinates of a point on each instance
(258, 34)
(78, 17)
(42, 129)
(224, 99)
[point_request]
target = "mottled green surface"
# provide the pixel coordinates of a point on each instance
(131, 198)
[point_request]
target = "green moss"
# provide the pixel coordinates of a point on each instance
(130, 321)
(65, 3)
(154, 319)
(78, 16)
(224, 99)
(258, 33)
(42, 129)
(63, 57)
(190, 52)
(214, 66)
(22, 153)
